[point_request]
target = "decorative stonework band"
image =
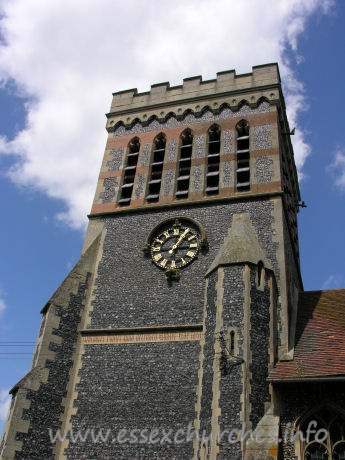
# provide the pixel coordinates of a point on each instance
(145, 337)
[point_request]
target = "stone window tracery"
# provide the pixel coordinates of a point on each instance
(323, 435)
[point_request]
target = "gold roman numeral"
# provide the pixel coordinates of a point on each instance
(156, 249)
(163, 263)
(190, 254)
(191, 237)
(193, 245)
(166, 234)
(173, 265)
(157, 257)
(176, 231)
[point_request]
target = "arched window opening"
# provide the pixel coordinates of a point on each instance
(260, 268)
(232, 343)
(243, 157)
(324, 436)
(316, 451)
(185, 161)
(213, 159)
(157, 161)
(339, 451)
(129, 172)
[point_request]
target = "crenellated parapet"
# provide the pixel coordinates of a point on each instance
(195, 96)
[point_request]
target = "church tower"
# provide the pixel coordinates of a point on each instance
(158, 344)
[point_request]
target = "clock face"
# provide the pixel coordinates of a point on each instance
(175, 246)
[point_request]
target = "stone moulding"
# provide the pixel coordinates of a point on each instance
(233, 106)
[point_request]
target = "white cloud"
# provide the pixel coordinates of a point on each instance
(337, 168)
(5, 400)
(333, 282)
(2, 306)
(68, 56)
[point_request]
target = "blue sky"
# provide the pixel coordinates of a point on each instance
(59, 63)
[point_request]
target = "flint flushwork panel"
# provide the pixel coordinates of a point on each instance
(116, 162)
(139, 188)
(197, 178)
(263, 169)
(200, 140)
(172, 151)
(109, 185)
(145, 155)
(228, 136)
(226, 174)
(168, 182)
(262, 137)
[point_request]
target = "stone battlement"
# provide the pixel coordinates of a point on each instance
(195, 88)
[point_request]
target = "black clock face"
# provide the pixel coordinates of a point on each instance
(175, 246)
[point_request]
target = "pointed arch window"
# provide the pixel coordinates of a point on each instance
(213, 158)
(185, 161)
(157, 161)
(323, 435)
(129, 172)
(243, 157)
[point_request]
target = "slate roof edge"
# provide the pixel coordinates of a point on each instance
(329, 378)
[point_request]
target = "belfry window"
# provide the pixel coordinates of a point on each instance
(213, 158)
(157, 161)
(323, 436)
(129, 172)
(243, 157)
(185, 159)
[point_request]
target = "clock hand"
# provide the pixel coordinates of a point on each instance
(179, 241)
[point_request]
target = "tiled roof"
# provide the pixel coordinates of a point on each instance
(320, 338)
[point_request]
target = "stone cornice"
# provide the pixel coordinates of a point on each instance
(181, 204)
